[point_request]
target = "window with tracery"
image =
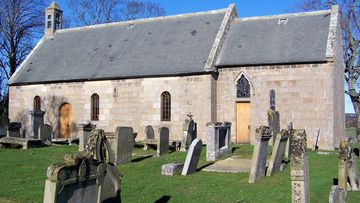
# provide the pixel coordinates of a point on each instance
(95, 107)
(37, 103)
(165, 106)
(242, 88)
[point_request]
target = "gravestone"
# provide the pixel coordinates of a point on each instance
(45, 133)
(163, 142)
(299, 167)
(85, 178)
(258, 162)
(274, 123)
(272, 99)
(315, 140)
(13, 129)
(337, 195)
(190, 132)
(4, 123)
(277, 152)
(171, 169)
(289, 128)
(123, 145)
(149, 132)
(352, 170)
(84, 134)
(37, 119)
(218, 137)
(343, 159)
(192, 157)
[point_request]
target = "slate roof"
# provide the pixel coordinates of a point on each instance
(263, 40)
(160, 46)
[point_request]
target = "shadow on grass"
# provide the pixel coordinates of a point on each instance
(204, 166)
(163, 199)
(142, 158)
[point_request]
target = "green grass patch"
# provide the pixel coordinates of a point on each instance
(23, 174)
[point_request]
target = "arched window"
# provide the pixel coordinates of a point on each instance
(94, 107)
(165, 106)
(242, 88)
(37, 103)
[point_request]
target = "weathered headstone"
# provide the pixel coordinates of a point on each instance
(289, 128)
(45, 133)
(37, 119)
(218, 137)
(91, 177)
(277, 152)
(149, 132)
(190, 132)
(343, 159)
(336, 195)
(258, 162)
(353, 170)
(163, 142)
(274, 123)
(192, 157)
(171, 169)
(272, 99)
(84, 134)
(315, 140)
(4, 123)
(124, 144)
(299, 167)
(13, 129)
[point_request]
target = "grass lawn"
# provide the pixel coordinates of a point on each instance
(23, 174)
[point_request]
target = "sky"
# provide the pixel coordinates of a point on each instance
(245, 8)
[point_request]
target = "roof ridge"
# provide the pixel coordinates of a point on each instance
(309, 13)
(143, 20)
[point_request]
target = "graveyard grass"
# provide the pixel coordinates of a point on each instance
(23, 174)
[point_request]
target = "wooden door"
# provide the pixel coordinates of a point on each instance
(65, 121)
(243, 123)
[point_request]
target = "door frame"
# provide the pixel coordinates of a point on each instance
(236, 119)
(70, 134)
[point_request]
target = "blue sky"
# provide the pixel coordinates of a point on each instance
(245, 8)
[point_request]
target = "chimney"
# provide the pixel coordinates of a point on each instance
(53, 19)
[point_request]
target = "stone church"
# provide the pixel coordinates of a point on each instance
(213, 64)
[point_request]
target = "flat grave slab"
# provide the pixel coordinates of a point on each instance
(15, 142)
(232, 164)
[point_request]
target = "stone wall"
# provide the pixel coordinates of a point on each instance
(128, 102)
(306, 95)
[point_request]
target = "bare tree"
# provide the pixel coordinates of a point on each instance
(350, 25)
(89, 12)
(21, 22)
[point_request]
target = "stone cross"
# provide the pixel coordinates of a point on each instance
(258, 162)
(192, 157)
(123, 145)
(299, 167)
(274, 123)
(85, 178)
(343, 159)
(278, 152)
(163, 142)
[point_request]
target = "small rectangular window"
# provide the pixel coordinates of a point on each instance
(57, 17)
(49, 24)
(49, 17)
